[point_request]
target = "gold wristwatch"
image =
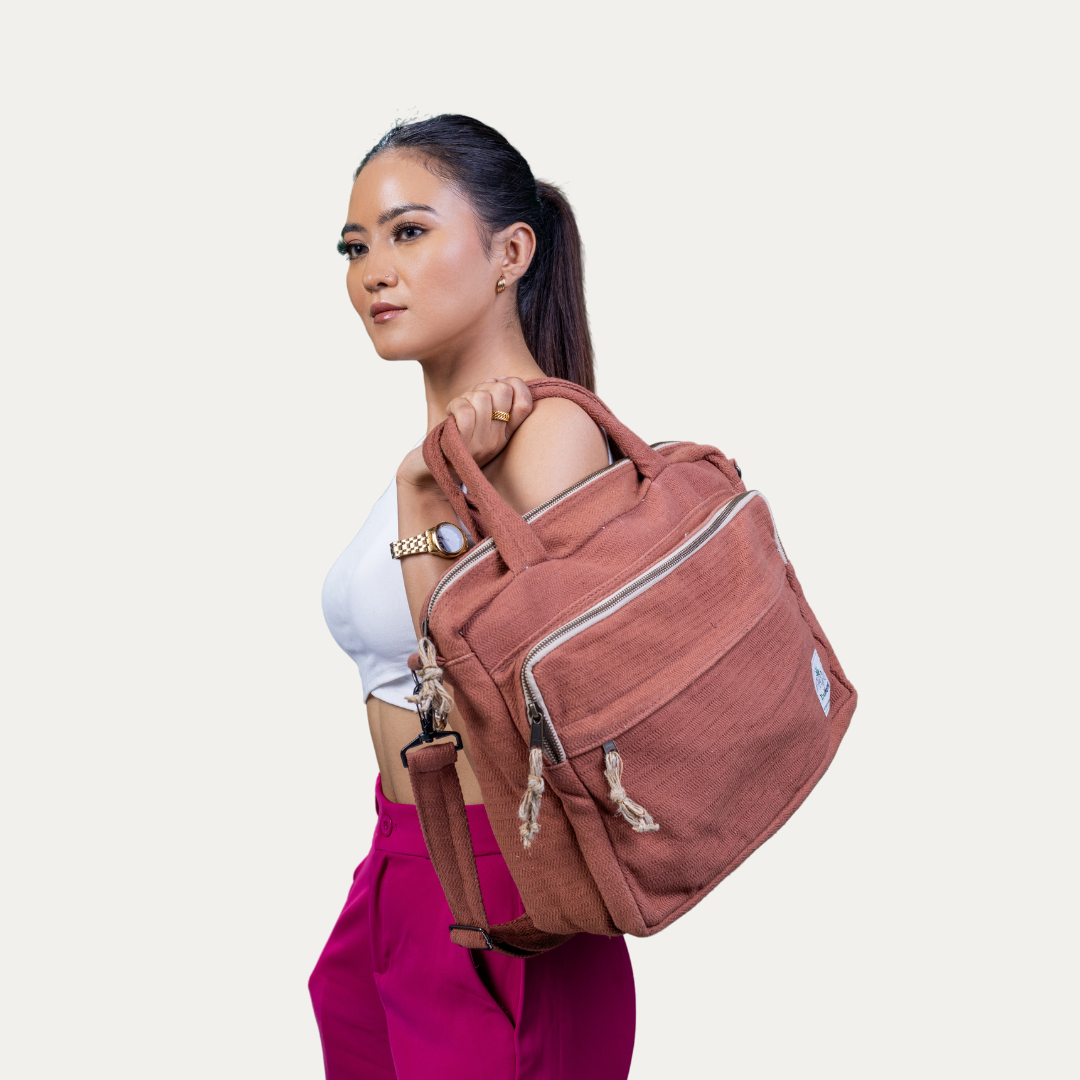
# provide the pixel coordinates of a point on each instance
(445, 540)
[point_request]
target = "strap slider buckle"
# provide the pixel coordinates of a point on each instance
(477, 929)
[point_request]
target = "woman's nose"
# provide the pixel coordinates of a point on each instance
(376, 278)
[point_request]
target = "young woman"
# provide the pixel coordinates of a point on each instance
(461, 261)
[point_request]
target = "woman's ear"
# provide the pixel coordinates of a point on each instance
(517, 245)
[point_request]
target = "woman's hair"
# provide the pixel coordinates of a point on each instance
(481, 164)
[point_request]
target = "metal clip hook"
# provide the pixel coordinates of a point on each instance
(428, 733)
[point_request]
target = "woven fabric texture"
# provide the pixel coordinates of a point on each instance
(691, 652)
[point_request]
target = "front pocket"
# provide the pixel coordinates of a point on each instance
(381, 940)
(701, 670)
(600, 673)
(627, 654)
(718, 766)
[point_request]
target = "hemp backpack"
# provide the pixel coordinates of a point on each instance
(646, 694)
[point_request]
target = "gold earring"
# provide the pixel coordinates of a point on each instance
(500, 284)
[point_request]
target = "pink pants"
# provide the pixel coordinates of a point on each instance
(395, 999)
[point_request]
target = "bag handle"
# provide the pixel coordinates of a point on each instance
(484, 511)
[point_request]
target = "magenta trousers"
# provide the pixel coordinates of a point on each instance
(395, 999)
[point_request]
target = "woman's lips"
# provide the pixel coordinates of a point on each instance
(381, 313)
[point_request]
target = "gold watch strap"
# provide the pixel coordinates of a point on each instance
(415, 545)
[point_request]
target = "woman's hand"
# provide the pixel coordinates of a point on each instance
(484, 437)
(421, 502)
(557, 447)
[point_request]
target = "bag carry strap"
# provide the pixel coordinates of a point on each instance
(483, 509)
(445, 825)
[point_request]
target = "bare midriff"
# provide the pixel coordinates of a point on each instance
(391, 729)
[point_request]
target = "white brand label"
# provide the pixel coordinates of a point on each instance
(821, 682)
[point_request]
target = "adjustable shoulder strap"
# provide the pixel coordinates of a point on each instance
(445, 824)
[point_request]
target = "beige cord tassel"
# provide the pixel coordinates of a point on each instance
(639, 819)
(529, 810)
(432, 692)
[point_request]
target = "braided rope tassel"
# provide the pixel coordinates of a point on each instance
(639, 819)
(432, 694)
(529, 810)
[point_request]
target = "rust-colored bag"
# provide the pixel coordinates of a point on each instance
(646, 693)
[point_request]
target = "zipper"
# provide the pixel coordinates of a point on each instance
(542, 733)
(486, 547)
(534, 702)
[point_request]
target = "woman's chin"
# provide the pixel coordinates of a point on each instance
(399, 346)
(389, 349)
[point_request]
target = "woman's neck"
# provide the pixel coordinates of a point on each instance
(450, 375)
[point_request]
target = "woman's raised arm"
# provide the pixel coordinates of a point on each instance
(543, 449)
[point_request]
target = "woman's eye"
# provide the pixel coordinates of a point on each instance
(409, 232)
(352, 250)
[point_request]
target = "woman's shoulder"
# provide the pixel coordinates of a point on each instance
(556, 445)
(558, 418)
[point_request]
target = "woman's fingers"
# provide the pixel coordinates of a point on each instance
(520, 402)
(501, 397)
(480, 400)
(461, 409)
(502, 394)
(472, 411)
(484, 436)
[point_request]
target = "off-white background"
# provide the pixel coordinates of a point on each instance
(838, 240)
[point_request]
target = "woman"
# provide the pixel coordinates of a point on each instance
(461, 261)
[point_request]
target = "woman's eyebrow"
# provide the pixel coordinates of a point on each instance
(389, 215)
(406, 208)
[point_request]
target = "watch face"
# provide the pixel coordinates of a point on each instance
(450, 538)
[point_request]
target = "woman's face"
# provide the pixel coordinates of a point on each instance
(419, 274)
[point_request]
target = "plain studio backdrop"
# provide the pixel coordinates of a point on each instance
(837, 240)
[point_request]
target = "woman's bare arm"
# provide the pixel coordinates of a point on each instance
(545, 448)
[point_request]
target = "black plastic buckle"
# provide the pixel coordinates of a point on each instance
(488, 946)
(425, 737)
(428, 734)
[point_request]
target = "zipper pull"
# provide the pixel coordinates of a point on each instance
(536, 722)
(634, 814)
(529, 810)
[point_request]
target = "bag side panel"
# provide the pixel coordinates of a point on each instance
(555, 882)
(829, 657)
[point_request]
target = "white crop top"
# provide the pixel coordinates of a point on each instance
(366, 608)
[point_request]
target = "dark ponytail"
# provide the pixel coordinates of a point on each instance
(497, 180)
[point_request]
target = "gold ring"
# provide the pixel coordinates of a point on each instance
(497, 415)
